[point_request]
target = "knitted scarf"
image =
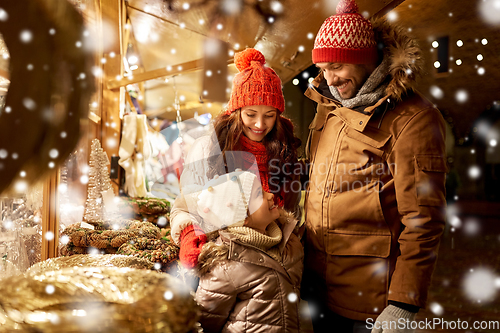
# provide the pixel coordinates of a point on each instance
(266, 243)
(259, 151)
(370, 92)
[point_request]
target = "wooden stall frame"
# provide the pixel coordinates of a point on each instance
(50, 216)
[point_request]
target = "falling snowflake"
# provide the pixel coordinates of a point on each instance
(64, 239)
(392, 16)
(49, 289)
(474, 172)
(479, 285)
(26, 36)
(168, 295)
(472, 227)
(49, 235)
(490, 11)
(231, 7)
(462, 96)
(437, 92)
(436, 308)
(84, 179)
(455, 222)
(162, 221)
(53, 153)
(29, 103)
(292, 297)
(3, 15)
(92, 251)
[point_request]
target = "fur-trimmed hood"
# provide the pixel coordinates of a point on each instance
(213, 252)
(405, 55)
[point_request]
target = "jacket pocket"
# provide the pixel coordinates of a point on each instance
(430, 173)
(373, 138)
(358, 244)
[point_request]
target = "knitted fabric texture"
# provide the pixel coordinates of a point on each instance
(373, 89)
(224, 200)
(266, 243)
(255, 84)
(259, 151)
(346, 37)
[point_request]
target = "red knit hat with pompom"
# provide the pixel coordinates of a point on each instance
(255, 84)
(346, 37)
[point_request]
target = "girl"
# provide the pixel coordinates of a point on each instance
(250, 276)
(251, 123)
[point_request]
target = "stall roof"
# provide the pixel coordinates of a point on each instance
(168, 33)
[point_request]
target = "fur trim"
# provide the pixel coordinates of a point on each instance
(286, 217)
(405, 54)
(210, 254)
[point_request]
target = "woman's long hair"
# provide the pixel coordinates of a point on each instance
(281, 146)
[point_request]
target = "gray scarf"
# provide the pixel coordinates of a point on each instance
(370, 92)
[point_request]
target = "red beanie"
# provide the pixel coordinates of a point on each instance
(255, 84)
(346, 37)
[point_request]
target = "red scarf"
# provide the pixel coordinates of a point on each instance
(259, 151)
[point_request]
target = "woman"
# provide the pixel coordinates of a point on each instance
(253, 125)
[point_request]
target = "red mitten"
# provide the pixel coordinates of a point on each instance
(191, 245)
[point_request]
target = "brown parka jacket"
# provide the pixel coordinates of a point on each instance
(375, 206)
(243, 289)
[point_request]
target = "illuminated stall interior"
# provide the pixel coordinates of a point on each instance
(166, 66)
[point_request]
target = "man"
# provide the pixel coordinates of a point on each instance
(375, 207)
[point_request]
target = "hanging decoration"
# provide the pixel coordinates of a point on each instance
(268, 10)
(134, 150)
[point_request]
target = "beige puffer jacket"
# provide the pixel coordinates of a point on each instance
(243, 289)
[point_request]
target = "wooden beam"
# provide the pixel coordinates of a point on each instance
(154, 74)
(50, 216)
(183, 68)
(387, 8)
(5, 74)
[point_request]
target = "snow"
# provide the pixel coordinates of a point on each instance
(461, 96)
(49, 289)
(436, 92)
(29, 103)
(474, 172)
(53, 153)
(26, 36)
(3, 15)
(168, 295)
(489, 11)
(436, 308)
(479, 285)
(49, 235)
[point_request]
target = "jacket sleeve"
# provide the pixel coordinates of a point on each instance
(216, 295)
(193, 176)
(418, 165)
